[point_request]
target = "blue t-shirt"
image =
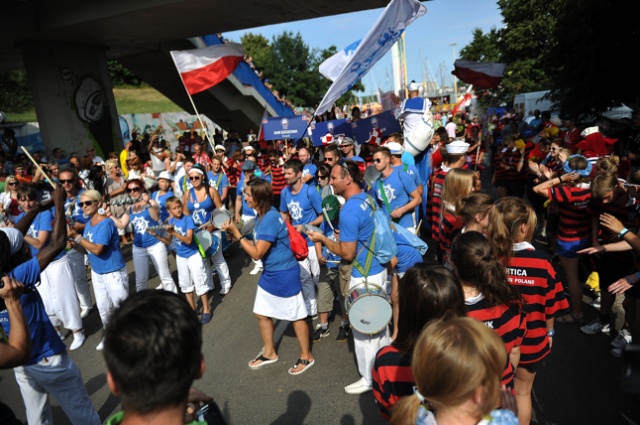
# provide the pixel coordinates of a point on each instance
(200, 211)
(185, 183)
(356, 225)
(407, 158)
(397, 186)
(310, 169)
(162, 201)
(181, 226)
(412, 171)
(76, 211)
(246, 210)
(407, 256)
(42, 222)
(140, 221)
(218, 181)
(45, 341)
(105, 233)
(281, 274)
(333, 261)
(303, 207)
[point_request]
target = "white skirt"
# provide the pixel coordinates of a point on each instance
(290, 308)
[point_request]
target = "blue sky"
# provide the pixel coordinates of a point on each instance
(429, 37)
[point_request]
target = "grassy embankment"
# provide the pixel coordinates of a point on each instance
(129, 100)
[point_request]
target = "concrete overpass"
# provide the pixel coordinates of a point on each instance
(64, 45)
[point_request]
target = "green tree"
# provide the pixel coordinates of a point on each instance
(120, 75)
(257, 47)
(14, 92)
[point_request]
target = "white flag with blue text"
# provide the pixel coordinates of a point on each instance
(332, 66)
(381, 37)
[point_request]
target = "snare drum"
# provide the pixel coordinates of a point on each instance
(369, 308)
(209, 242)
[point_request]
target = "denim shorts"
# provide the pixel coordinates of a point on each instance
(569, 249)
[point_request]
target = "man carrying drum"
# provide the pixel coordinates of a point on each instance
(356, 230)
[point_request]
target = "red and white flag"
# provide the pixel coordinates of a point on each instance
(263, 121)
(487, 75)
(203, 68)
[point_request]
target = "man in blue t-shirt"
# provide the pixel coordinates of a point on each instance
(309, 170)
(395, 191)
(301, 204)
(356, 230)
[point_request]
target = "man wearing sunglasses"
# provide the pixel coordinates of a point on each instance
(331, 156)
(76, 219)
(395, 190)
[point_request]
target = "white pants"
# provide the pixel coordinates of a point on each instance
(59, 295)
(220, 264)
(158, 255)
(80, 279)
(60, 377)
(110, 290)
(367, 346)
(246, 218)
(309, 277)
(193, 274)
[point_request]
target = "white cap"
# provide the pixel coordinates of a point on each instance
(556, 120)
(458, 146)
(15, 238)
(249, 148)
(413, 86)
(220, 148)
(395, 148)
(165, 175)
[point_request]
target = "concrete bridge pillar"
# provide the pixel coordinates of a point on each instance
(73, 97)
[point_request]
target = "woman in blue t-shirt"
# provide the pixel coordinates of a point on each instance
(143, 214)
(101, 241)
(279, 294)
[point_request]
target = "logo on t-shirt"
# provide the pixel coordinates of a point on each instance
(388, 191)
(295, 210)
(139, 225)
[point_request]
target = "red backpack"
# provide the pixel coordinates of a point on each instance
(297, 242)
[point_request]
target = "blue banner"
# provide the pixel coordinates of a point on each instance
(280, 128)
(340, 127)
(384, 123)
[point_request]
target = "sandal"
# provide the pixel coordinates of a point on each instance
(570, 319)
(306, 363)
(263, 361)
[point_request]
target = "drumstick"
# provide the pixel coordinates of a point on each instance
(418, 227)
(326, 216)
(38, 167)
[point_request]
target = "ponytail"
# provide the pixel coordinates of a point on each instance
(405, 411)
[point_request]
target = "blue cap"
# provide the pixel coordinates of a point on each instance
(528, 133)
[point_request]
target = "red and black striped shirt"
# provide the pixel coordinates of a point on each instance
(231, 172)
(435, 204)
(572, 201)
(278, 182)
(392, 378)
(531, 272)
(509, 322)
(499, 172)
(450, 226)
(512, 158)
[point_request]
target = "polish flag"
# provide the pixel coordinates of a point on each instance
(485, 75)
(203, 68)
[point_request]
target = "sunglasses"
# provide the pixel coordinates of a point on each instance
(631, 185)
(553, 149)
(62, 181)
(86, 203)
(133, 189)
(13, 184)
(323, 177)
(377, 160)
(90, 150)
(194, 178)
(329, 159)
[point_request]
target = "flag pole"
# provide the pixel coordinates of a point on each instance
(194, 106)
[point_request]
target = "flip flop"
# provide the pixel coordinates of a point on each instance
(306, 363)
(263, 361)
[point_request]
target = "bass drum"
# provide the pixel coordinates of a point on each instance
(369, 308)
(207, 243)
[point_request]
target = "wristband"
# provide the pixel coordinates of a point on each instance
(551, 333)
(241, 238)
(623, 232)
(628, 279)
(78, 239)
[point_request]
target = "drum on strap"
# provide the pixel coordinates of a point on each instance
(208, 242)
(369, 308)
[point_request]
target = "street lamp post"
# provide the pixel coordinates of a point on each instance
(455, 79)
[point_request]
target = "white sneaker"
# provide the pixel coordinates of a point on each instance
(224, 291)
(606, 329)
(100, 346)
(358, 387)
(592, 327)
(78, 340)
(256, 270)
(623, 338)
(85, 311)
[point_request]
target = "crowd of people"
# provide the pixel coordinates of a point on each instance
(571, 191)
